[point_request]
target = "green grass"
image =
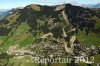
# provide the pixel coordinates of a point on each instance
(91, 39)
(27, 41)
(8, 43)
(21, 35)
(21, 62)
(17, 36)
(97, 58)
(2, 39)
(97, 23)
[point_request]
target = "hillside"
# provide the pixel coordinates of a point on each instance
(6, 13)
(35, 16)
(39, 30)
